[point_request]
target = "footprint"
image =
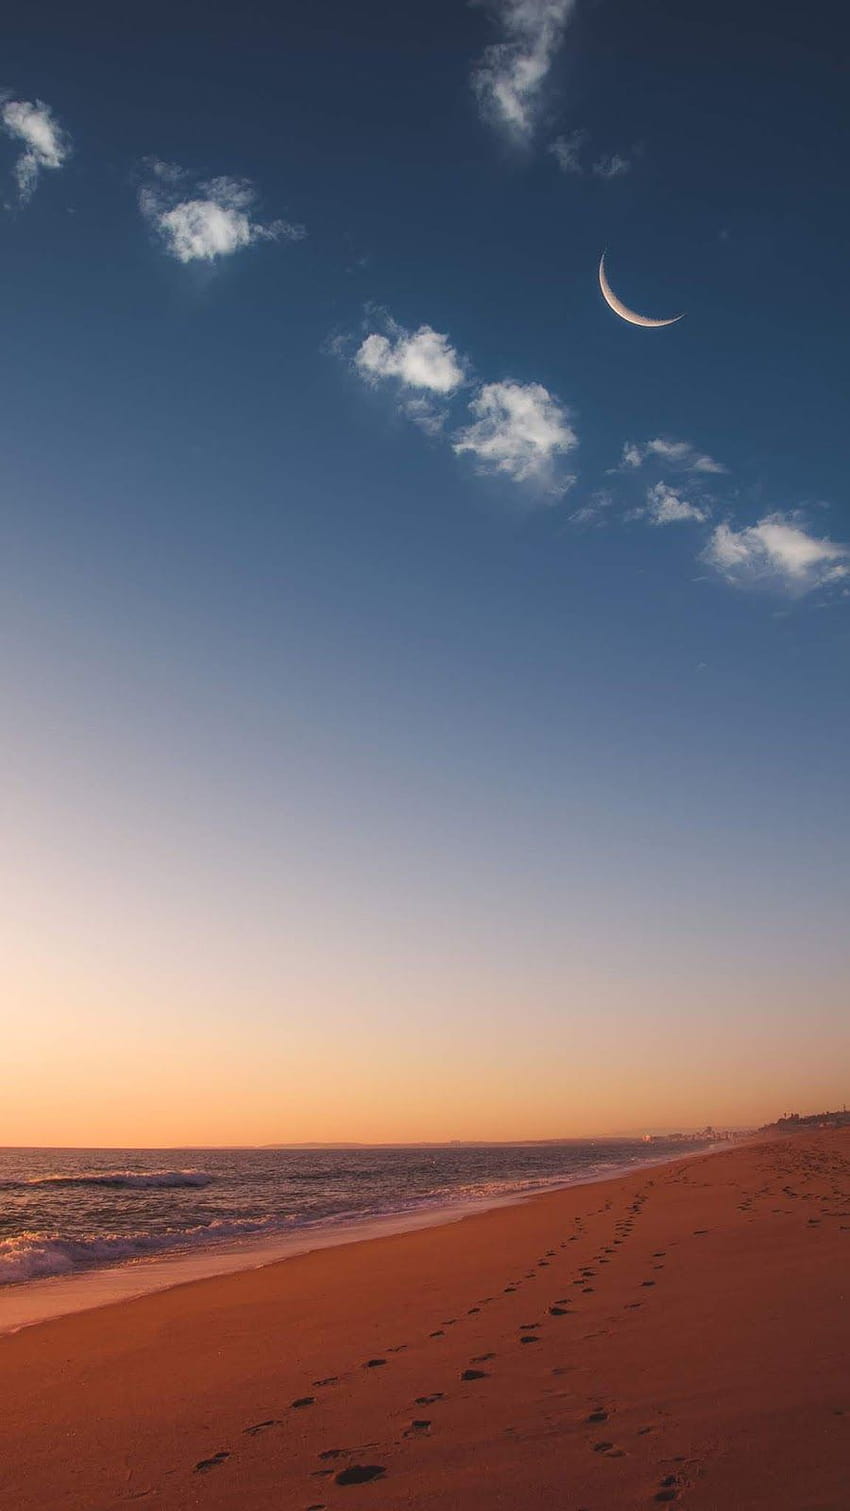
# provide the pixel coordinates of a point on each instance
(419, 1427)
(559, 1311)
(360, 1474)
(600, 1415)
(429, 1400)
(204, 1466)
(473, 1374)
(374, 1363)
(438, 1333)
(263, 1426)
(529, 1338)
(304, 1401)
(482, 1358)
(330, 1380)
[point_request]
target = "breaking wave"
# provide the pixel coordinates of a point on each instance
(39, 1256)
(140, 1180)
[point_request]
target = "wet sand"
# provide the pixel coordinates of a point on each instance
(679, 1335)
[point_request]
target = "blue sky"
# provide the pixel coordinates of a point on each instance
(388, 626)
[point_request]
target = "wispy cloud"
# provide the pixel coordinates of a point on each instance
(510, 76)
(677, 454)
(613, 166)
(572, 155)
(207, 220)
(595, 510)
(567, 151)
(46, 144)
(521, 431)
(667, 506)
(778, 552)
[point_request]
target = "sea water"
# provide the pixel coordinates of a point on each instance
(71, 1212)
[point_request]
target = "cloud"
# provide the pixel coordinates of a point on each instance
(426, 359)
(777, 552)
(567, 151)
(676, 453)
(594, 511)
(570, 155)
(211, 220)
(519, 429)
(46, 144)
(613, 166)
(666, 506)
(424, 366)
(510, 76)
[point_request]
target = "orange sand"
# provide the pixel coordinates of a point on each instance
(704, 1362)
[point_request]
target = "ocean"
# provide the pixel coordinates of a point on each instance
(67, 1211)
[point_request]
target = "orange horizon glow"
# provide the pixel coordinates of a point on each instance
(400, 1069)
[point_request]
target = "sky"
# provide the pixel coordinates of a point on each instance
(424, 692)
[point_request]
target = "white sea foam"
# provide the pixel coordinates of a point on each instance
(37, 1256)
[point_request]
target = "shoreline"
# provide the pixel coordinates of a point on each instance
(675, 1334)
(28, 1303)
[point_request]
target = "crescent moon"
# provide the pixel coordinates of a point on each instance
(622, 309)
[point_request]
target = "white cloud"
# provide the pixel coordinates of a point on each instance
(213, 220)
(567, 151)
(594, 510)
(613, 166)
(519, 429)
(666, 506)
(571, 155)
(425, 360)
(675, 453)
(46, 145)
(778, 552)
(510, 76)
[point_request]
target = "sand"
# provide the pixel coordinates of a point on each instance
(680, 1335)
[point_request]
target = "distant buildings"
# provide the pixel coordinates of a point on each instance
(791, 1121)
(702, 1136)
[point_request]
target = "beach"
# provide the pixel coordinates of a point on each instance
(678, 1334)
